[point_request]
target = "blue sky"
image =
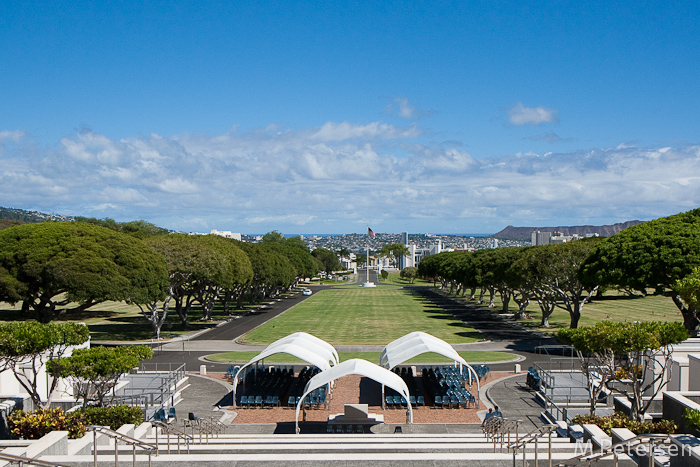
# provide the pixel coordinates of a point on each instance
(326, 117)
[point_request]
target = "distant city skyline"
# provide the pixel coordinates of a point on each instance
(328, 117)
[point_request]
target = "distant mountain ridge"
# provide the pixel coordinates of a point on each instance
(25, 217)
(525, 233)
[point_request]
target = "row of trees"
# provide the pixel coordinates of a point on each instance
(547, 274)
(54, 268)
(660, 256)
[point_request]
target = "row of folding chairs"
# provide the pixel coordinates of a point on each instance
(345, 429)
(311, 401)
(482, 371)
(455, 400)
(299, 383)
(396, 401)
(265, 387)
(260, 401)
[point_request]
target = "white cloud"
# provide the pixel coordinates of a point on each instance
(282, 179)
(521, 115)
(343, 131)
(296, 219)
(13, 136)
(401, 107)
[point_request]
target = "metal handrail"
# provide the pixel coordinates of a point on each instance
(204, 426)
(170, 430)
(28, 461)
(613, 450)
(531, 437)
(135, 443)
(497, 428)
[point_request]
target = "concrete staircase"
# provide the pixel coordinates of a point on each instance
(326, 449)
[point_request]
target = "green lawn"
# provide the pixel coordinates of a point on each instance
(357, 315)
(475, 356)
(614, 306)
(395, 278)
(118, 321)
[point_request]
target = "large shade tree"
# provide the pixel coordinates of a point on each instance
(228, 276)
(328, 259)
(296, 251)
(50, 265)
(394, 251)
(271, 271)
(651, 257)
(190, 262)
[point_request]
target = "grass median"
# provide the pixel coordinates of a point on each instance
(471, 356)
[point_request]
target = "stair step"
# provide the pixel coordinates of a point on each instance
(390, 458)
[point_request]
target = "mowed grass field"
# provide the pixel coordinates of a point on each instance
(613, 306)
(121, 322)
(356, 315)
(471, 356)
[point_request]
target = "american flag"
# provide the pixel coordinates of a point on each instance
(370, 232)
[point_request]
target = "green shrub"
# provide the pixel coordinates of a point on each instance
(114, 416)
(691, 417)
(33, 425)
(620, 420)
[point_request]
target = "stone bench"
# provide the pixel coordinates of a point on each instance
(597, 436)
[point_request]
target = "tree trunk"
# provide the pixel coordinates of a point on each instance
(690, 316)
(575, 317)
(182, 312)
(547, 308)
(505, 298)
(43, 309)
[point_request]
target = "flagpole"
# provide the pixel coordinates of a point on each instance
(367, 282)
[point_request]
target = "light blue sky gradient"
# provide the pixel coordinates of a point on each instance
(329, 116)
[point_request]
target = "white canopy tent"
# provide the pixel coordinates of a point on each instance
(309, 348)
(415, 343)
(355, 367)
(309, 340)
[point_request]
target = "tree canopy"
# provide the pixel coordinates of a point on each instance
(639, 350)
(78, 262)
(296, 251)
(140, 229)
(653, 255)
(26, 346)
(328, 259)
(394, 251)
(95, 371)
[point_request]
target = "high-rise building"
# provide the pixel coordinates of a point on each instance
(404, 238)
(540, 238)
